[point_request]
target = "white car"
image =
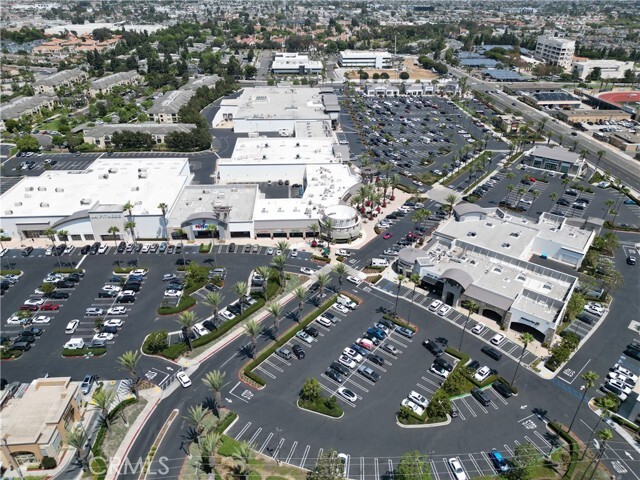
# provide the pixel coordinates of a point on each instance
(117, 311)
(17, 320)
(418, 399)
(456, 468)
(200, 329)
(270, 251)
(343, 253)
(103, 336)
(52, 278)
(307, 270)
(184, 379)
(294, 252)
(626, 389)
(34, 301)
(347, 361)
(145, 248)
(71, 327)
(623, 378)
(435, 305)
(305, 337)
(354, 280)
(439, 371)
(49, 251)
(594, 309)
(347, 394)
(93, 312)
(227, 314)
(103, 248)
(69, 249)
(417, 409)
(173, 293)
(113, 322)
(341, 308)
(111, 288)
(482, 374)
(443, 310)
(478, 328)
(3, 252)
(350, 352)
(497, 339)
(37, 291)
(624, 371)
(169, 277)
(141, 272)
(41, 319)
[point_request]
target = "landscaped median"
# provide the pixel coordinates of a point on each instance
(81, 352)
(247, 371)
(311, 399)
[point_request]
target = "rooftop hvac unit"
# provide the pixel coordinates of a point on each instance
(44, 204)
(105, 176)
(28, 189)
(298, 144)
(27, 195)
(113, 170)
(142, 175)
(42, 189)
(59, 189)
(8, 212)
(297, 155)
(142, 170)
(264, 157)
(139, 202)
(266, 145)
(135, 189)
(85, 201)
(17, 204)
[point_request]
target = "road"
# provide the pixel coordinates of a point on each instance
(620, 166)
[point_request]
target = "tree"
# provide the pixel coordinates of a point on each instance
(451, 201)
(575, 305)
(301, 295)
(275, 309)
(47, 288)
(414, 466)
(187, 320)
(524, 460)
(265, 272)
(252, 329)
(244, 456)
(415, 279)
(102, 401)
(27, 143)
(77, 439)
(600, 154)
(157, 341)
(279, 262)
(322, 279)
(329, 225)
(341, 270)
(404, 75)
(50, 233)
(129, 361)
(311, 390)
(208, 450)
(240, 289)
(526, 338)
(472, 307)
(196, 415)
(589, 378)
(113, 231)
(214, 380)
(400, 279)
(213, 300)
(604, 436)
(328, 467)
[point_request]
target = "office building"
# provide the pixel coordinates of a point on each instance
(555, 159)
(365, 59)
(609, 69)
(555, 50)
(294, 63)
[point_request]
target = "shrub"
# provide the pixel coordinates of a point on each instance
(9, 354)
(205, 248)
(373, 279)
(48, 463)
(318, 258)
(96, 352)
(10, 272)
(323, 405)
(574, 448)
(174, 351)
(156, 342)
(224, 424)
(184, 303)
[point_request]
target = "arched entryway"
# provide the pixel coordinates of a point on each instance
(492, 315)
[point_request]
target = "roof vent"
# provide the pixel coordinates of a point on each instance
(135, 189)
(28, 189)
(85, 201)
(113, 170)
(264, 157)
(59, 189)
(142, 175)
(42, 189)
(8, 212)
(17, 204)
(105, 176)
(44, 204)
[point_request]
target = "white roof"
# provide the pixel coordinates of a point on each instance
(59, 193)
(282, 150)
(279, 103)
(363, 54)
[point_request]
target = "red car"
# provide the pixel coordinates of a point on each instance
(31, 308)
(50, 306)
(387, 235)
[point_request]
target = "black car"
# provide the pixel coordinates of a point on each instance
(480, 396)
(28, 333)
(503, 389)
(388, 324)
(474, 365)
(25, 339)
(633, 353)
(209, 325)
(74, 277)
(232, 247)
(139, 247)
(183, 262)
(311, 331)
(59, 295)
(94, 248)
(126, 299)
(65, 284)
(211, 287)
(341, 369)
(377, 359)
(122, 246)
(113, 330)
(235, 309)
(27, 251)
(586, 319)
(441, 362)
(298, 352)
(491, 352)
(59, 250)
(564, 202)
(84, 250)
(109, 294)
(134, 287)
(433, 347)
(333, 375)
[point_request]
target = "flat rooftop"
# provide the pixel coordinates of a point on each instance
(282, 150)
(196, 199)
(145, 182)
(280, 103)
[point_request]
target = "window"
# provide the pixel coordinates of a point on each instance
(76, 237)
(88, 236)
(23, 458)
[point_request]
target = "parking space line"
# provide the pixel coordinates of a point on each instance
(544, 440)
(463, 400)
(245, 428)
(364, 389)
(475, 464)
(480, 405)
(425, 388)
(498, 396)
(319, 455)
(264, 445)
(447, 469)
(391, 471)
(434, 470)
(304, 456)
(277, 450)
(535, 445)
(376, 469)
(254, 436)
(265, 372)
(268, 362)
(293, 447)
(486, 459)
(506, 447)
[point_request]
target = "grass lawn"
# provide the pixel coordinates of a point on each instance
(115, 435)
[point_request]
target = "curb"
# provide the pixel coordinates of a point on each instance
(426, 425)
(318, 413)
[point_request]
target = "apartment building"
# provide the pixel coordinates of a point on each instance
(165, 109)
(22, 106)
(100, 135)
(105, 85)
(365, 59)
(555, 50)
(64, 78)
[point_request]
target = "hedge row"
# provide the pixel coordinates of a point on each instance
(10, 272)
(574, 448)
(185, 302)
(262, 356)
(319, 405)
(318, 258)
(79, 352)
(205, 248)
(223, 425)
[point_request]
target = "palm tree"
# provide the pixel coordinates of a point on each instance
(209, 448)
(50, 233)
(77, 438)
(265, 272)
(526, 338)
(240, 289)
(609, 203)
(451, 200)
(395, 181)
(63, 235)
(213, 300)
(215, 381)
(301, 295)
(510, 189)
(322, 279)
(472, 307)
(282, 245)
(275, 309)
(196, 415)
(415, 279)
(213, 229)
(400, 279)
(341, 270)
(187, 320)
(553, 196)
(129, 361)
(163, 208)
(521, 191)
(604, 436)
(356, 200)
(102, 401)
(535, 194)
(590, 378)
(314, 228)
(606, 404)
(279, 262)
(244, 456)
(329, 225)
(419, 216)
(600, 154)
(385, 183)
(131, 226)
(113, 231)
(252, 329)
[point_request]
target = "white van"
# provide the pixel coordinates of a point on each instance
(379, 262)
(347, 302)
(74, 344)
